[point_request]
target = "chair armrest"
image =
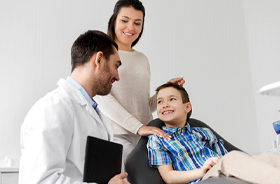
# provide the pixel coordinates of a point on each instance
(137, 166)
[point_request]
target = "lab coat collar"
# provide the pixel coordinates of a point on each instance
(76, 95)
(72, 91)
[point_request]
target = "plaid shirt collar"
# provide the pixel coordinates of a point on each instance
(172, 130)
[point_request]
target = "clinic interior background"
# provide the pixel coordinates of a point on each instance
(226, 50)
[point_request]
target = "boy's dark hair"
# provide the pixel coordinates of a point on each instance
(183, 92)
(89, 43)
(137, 5)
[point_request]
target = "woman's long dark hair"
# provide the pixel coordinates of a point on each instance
(137, 5)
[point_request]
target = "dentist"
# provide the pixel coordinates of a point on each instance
(54, 132)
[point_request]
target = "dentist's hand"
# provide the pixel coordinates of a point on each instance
(118, 179)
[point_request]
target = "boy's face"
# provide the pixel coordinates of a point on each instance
(170, 107)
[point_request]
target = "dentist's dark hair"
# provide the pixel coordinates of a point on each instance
(89, 43)
(137, 5)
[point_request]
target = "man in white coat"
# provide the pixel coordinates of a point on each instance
(54, 132)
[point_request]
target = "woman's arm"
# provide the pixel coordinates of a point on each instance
(111, 108)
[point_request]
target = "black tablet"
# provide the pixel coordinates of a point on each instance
(103, 160)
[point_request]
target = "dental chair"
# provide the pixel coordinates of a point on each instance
(139, 171)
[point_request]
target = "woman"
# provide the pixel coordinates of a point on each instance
(129, 106)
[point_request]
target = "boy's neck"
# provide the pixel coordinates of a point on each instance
(175, 124)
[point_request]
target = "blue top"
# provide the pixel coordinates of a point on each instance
(187, 150)
(77, 85)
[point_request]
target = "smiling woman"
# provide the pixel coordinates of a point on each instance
(128, 26)
(129, 106)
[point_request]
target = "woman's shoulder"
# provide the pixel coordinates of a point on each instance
(136, 55)
(141, 55)
(138, 52)
(132, 53)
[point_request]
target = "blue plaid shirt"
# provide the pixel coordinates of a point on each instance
(187, 150)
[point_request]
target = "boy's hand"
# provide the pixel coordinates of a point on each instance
(149, 130)
(209, 163)
(179, 80)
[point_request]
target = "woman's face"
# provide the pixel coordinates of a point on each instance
(128, 26)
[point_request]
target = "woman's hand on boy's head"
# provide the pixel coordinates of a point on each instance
(179, 80)
(150, 130)
(209, 163)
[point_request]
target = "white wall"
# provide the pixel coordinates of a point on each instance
(217, 45)
(205, 41)
(263, 37)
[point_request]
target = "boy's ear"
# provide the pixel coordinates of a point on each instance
(188, 107)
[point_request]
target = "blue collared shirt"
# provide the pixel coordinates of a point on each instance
(187, 150)
(77, 85)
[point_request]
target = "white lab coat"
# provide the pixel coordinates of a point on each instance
(53, 136)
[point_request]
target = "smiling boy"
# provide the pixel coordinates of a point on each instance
(193, 151)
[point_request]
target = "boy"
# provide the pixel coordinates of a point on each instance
(191, 152)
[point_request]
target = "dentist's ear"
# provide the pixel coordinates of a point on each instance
(98, 58)
(188, 107)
